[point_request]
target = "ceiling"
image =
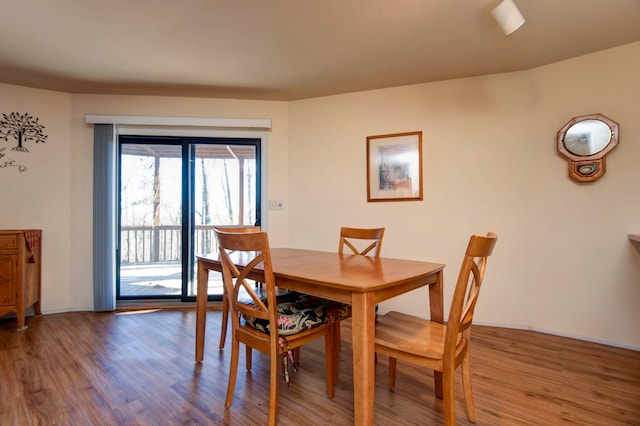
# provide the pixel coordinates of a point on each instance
(289, 49)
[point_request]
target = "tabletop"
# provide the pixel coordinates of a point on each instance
(346, 272)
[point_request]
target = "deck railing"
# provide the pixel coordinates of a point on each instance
(161, 244)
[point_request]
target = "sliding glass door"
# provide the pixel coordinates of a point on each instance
(173, 192)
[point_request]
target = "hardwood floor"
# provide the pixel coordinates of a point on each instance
(137, 368)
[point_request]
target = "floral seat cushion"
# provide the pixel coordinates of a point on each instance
(299, 312)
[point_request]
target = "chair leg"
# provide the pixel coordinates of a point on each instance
(225, 320)
(273, 386)
(233, 372)
(392, 372)
(448, 396)
(330, 363)
(466, 385)
(337, 341)
(248, 357)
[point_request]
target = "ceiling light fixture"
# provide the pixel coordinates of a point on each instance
(508, 16)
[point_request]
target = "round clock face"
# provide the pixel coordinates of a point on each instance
(587, 137)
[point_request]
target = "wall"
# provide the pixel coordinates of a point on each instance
(38, 198)
(563, 263)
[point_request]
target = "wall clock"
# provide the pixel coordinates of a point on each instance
(585, 141)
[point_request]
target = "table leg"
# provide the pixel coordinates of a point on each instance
(363, 333)
(436, 303)
(201, 308)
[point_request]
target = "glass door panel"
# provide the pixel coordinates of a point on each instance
(150, 220)
(225, 194)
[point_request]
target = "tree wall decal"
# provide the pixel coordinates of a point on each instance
(23, 128)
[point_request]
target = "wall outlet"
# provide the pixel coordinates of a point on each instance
(276, 205)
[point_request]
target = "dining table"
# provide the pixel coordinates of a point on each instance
(360, 281)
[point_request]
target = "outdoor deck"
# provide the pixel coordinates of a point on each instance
(159, 280)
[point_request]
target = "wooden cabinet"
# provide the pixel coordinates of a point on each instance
(20, 272)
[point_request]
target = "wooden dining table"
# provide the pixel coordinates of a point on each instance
(360, 281)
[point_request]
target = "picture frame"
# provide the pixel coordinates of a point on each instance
(394, 167)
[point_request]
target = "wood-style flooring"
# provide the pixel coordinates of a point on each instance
(137, 368)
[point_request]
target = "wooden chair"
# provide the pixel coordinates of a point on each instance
(351, 237)
(437, 346)
(354, 237)
(256, 322)
(362, 242)
(225, 299)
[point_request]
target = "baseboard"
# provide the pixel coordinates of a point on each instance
(162, 304)
(216, 306)
(557, 333)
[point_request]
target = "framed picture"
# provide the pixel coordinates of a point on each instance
(394, 167)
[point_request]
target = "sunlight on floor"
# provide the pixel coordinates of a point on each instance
(144, 311)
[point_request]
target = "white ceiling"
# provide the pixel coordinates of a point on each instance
(289, 49)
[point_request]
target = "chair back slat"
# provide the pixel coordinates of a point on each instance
(353, 237)
(253, 248)
(225, 296)
(475, 280)
(241, 285)
(467, 288)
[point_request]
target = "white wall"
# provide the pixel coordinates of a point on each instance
(39, 197)
(563, 262)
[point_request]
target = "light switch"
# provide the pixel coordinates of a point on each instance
(276, 205)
